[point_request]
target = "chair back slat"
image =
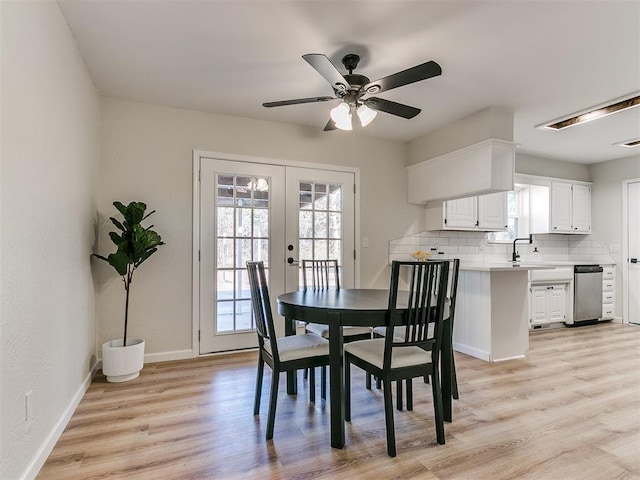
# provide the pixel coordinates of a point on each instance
(320, 274)
(262, 306)
(423, 309)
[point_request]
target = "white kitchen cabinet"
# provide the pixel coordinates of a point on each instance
(608, 292)
(481, 213)
(461, 213)
(581, 208)
(492, 211)
(570, 208)
(548, 304)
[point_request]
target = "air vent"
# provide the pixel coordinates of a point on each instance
(592, 113)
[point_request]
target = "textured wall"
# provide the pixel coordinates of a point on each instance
(50, 149)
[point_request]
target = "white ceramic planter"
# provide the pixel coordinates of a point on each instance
(119, 363)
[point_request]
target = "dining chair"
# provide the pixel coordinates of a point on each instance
(449, 315)
(319, 275)
(322, 274)
(417, 354)
(284, 354)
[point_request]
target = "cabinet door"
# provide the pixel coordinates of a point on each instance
(538, 305)
(548, 304)
(492, 211)
(561, 207)
(581, 208)
(461, 213)
(557, 303)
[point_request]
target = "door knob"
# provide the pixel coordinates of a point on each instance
(292, 261)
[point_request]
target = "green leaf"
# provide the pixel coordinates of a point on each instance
(117, 223)
(115, 238)
(121, 208)
(119, 261)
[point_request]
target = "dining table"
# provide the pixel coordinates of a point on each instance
(349, 307)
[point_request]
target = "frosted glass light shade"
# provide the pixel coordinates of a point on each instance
(341, 115)
(366, 115)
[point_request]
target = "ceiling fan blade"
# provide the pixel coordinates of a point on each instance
(325, 68)
(331, 125)
(405, 77)
(394, 108)
(297, 101)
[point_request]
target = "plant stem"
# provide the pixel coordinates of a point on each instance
(127, 285)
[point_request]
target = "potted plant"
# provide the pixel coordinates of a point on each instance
(122, 359)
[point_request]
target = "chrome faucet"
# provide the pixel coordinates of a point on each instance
(515, 255)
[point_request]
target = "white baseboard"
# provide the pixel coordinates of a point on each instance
(472, 351)
(47, 446)
(167, 356)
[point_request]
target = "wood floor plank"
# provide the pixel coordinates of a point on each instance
(570, 410)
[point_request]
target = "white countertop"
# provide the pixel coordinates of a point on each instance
(501, 267)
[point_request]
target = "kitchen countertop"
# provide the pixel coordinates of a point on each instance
(501, 267)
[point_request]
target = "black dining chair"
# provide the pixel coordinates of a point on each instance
(319, 275)
(417, 354)
(322, 274)
(284, 354)
(449, 315)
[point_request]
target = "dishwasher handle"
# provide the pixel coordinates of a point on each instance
(588, 269)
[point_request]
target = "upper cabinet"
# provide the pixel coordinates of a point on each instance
(570, 208)
(480, 213)
(482, 168)
(558, 206)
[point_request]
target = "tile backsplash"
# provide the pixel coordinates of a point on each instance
(473, 247)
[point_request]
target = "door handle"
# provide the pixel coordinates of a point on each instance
(292, 261)
(633, 260)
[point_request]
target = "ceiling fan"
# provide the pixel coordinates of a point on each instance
(354, 89)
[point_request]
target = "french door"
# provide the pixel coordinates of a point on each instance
(275, 213)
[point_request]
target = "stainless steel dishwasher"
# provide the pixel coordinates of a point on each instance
(587, 294)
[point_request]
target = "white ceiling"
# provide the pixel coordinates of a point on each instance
(542, 59)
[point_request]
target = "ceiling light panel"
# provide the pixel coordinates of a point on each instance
(593, 113)
(629, 143)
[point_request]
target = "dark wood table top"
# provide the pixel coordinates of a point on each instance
(338, 299)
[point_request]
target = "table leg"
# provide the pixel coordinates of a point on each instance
(336, 381)
(445, 370)
(292, 378)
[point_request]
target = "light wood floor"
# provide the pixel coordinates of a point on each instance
(571, 410)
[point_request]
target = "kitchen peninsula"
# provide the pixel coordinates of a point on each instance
(491, 319)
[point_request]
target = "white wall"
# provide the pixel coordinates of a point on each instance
(606, 207)
(492, 122)
(530, 165)
(147, 156)
(50, 150)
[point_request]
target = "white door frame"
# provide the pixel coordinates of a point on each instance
(195, 278)
(625, 247)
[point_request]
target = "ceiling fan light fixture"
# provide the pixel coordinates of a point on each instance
(341, 115)
(366, 115)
